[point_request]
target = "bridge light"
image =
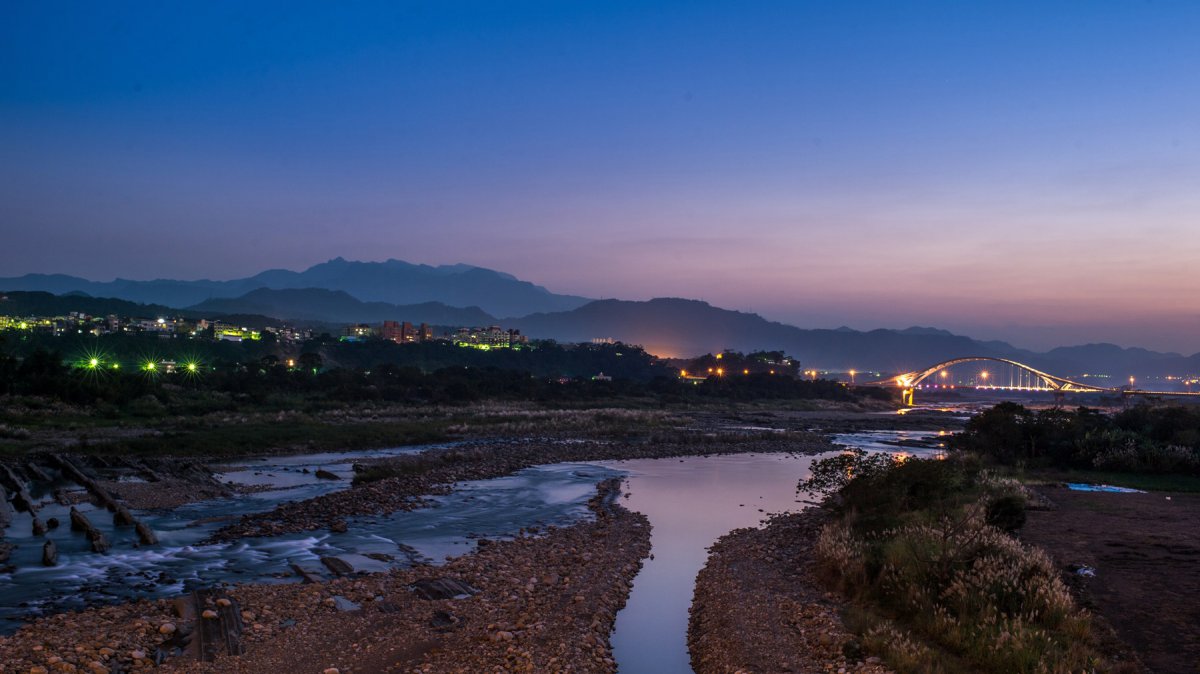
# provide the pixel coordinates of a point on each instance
(683, 373)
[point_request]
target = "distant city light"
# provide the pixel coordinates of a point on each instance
(94, 362)
(191, 367)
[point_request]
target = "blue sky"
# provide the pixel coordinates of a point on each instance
(1026, 171)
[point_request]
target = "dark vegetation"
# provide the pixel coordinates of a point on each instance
(230, 376)
(923, 549)
(1143, 439)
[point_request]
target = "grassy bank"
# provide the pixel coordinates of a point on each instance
(924, 551)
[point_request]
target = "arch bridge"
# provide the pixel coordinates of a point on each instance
(1032, 380)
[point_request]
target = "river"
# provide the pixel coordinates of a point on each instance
(690, 503)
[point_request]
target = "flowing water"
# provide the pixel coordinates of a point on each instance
(690, 503)
(555, 494)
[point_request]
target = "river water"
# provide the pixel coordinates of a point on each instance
(538, 496)
(690, 503)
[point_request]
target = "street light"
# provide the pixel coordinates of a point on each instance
(852, 373)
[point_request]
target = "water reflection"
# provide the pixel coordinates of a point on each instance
(690, 503)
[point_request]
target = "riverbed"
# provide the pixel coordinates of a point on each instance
(535, 497)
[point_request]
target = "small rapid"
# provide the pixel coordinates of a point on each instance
(534, 497)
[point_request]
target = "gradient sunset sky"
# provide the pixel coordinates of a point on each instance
(1020, 170)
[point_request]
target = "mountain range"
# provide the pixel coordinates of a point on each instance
(393, 281)
(336, 306)
(340, 291)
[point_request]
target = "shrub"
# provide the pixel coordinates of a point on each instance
(1006, 513)
(959, 593)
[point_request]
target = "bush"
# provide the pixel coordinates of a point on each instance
(923, 544)
(1006, 513)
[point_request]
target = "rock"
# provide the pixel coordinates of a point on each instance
(223, 602)
(145, 533)
(338, 566)
(326, 475)
(209, 614)
(331, 670)
(306, 575)
(443, 621)
(166, 628)
(39, 528)
(52, 523)
(442, 588)
(342, 604)
(80, 522)
(49, 554)
(339, 527)
(38, 669)
(122, 516)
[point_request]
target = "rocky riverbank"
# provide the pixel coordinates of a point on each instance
(543, 603)
(404, 480)
(759, 608)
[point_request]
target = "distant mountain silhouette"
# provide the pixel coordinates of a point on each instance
(392, 281)
(665, 326)
(335, 306)
(680, 327)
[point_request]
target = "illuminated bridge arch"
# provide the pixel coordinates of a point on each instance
(910, 380)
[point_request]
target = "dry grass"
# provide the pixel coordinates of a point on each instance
(946, 592)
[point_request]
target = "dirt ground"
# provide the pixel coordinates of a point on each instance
(1145, 549)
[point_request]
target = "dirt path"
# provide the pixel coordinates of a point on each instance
(1145, 549)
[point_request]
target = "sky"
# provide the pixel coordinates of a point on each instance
(1027, 171)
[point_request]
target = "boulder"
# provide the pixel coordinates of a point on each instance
(442, 588)
(338, 566)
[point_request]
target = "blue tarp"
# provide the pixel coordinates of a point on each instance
(1080, 486)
